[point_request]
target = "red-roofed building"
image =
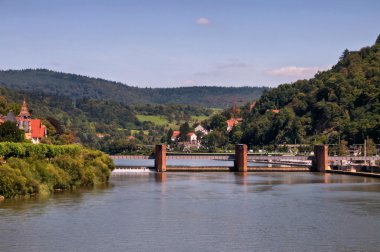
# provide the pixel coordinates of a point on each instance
(37, 131)
(191, 137)
(175, 135)
(231, 123)
(34, 129)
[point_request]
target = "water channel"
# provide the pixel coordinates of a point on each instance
(201, 212)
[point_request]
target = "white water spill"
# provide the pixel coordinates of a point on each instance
(131, 170)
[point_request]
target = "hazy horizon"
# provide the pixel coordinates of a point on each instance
(175, 44)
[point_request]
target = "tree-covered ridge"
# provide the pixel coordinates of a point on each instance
(343, 102)
(79, 87)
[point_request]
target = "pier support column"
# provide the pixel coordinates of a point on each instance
(241, 158)
(160, 158)
(321, 162)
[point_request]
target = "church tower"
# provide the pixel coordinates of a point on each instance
(24, 112)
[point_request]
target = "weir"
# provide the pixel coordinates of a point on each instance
(319, 162)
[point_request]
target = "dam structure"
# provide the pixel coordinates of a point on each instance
(242, 161)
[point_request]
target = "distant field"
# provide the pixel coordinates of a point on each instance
(158, 120)
(163, 121)
(198, 118)
(134, 132)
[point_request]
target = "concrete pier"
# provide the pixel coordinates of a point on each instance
(160, 158)
(321, 162)
(241, 158)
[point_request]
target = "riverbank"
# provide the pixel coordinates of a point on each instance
(28, 169)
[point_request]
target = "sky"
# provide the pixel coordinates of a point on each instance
(162, 43)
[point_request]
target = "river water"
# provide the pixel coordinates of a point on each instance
(201, 212)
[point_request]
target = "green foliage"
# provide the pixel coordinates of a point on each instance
(10, 133)
(184, 129)
(169, 136)
(31, 168)
(78, 87)
(343, 148)
(371, 147)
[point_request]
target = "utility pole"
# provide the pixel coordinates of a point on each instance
(365, 151)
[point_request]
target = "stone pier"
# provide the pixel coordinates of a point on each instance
(160, 158)
(321, 162)
(241, 158)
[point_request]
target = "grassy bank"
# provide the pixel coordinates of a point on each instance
(28, 169)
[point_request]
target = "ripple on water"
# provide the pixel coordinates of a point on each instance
(201, 212)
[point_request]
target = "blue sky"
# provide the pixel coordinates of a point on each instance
(184, 43)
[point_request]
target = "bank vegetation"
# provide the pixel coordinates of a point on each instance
(28, 169)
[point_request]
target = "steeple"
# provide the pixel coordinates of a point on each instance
(24, 112)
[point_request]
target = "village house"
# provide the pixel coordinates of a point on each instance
(175, 135)
(191, 142)
(191, 137)
(200, 128)
(33, 128)
(232, 123)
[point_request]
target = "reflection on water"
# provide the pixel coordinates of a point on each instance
(201, 212)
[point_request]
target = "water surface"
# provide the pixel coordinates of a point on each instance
(201, 212)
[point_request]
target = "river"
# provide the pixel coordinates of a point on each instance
(201, 212)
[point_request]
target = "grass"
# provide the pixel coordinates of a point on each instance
(134, 132)
(158, 120)
(163, 121)
(198, 118)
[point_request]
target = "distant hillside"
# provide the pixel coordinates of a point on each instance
(78, 87)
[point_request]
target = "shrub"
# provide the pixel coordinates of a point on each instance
(29, 169)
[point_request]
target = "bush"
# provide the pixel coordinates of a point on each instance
(30, 169)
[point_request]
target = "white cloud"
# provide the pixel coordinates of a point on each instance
(202, 21)
(293, 71)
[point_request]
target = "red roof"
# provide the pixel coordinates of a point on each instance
(37, 130)
(190, 133)
(232, 122)
(176, 133)
(276, 111)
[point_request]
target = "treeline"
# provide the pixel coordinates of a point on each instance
(28, 169)
(79, 87)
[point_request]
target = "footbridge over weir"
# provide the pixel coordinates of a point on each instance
(318, 162)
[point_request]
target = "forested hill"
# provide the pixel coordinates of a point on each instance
(341, 103)
(78, 87)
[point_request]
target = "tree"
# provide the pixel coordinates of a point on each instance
(343, 148)
(344, 54)
(9, 132)
(371, 147)
(378, 40)
(184, 129)
(218, 121)
(169, 136)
